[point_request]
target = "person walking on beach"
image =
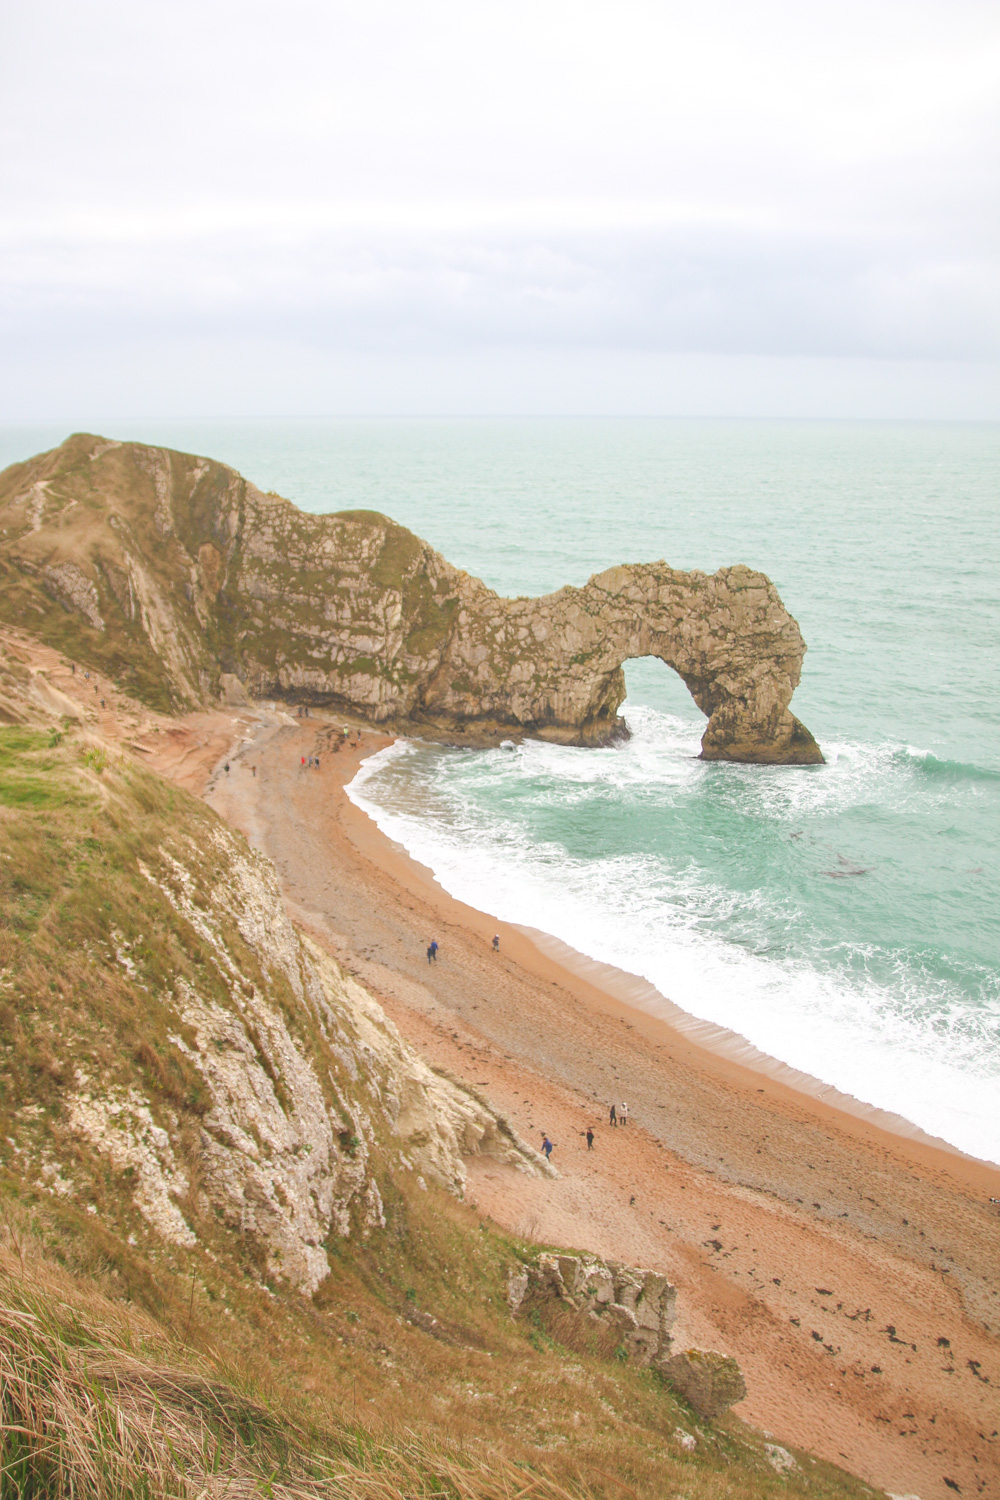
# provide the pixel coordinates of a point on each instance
(496, 942)
(547, 1147)
(590, 1138)
(613, 1117)
(623, 1114)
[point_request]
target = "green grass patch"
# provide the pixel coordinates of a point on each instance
(30, 776)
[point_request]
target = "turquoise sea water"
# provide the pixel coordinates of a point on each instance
(844, 918)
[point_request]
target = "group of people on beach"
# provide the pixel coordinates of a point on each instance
(433, 947)
(618, 1116)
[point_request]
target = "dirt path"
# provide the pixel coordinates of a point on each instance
(853, 1273)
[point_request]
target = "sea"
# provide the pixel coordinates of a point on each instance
(844, 919)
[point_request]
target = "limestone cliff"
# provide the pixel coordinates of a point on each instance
(634, 1311)
(178, 1058)
(179, 577)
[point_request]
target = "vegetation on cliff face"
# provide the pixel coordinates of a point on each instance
(170, 572)
(229, 1263)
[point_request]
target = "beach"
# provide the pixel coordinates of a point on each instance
(849, 1268)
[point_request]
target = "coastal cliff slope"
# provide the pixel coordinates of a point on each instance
(234, 1257)
(177, 1053)
(184, 582)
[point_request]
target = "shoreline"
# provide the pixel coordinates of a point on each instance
(619, 988)
(849, 1269)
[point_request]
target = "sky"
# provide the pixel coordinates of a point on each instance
(740, 207)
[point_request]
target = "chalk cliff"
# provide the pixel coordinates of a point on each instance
(177, 1053)
(183, 580)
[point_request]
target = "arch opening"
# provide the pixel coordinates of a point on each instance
(650, 682)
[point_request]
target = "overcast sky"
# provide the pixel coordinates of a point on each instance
(493, 205)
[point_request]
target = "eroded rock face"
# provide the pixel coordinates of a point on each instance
(286, 1145)
(709, 1381)
(640, 1307)
(186, 574)
(289, 1093)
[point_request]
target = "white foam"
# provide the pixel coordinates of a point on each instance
(896, 1051)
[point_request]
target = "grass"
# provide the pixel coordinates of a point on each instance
(121, 652)
(100, 1399)
(133, 1367)
(29, 776)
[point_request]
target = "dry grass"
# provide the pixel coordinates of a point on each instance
(112, 1379)
(86, 1411)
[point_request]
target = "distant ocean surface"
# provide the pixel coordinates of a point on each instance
(843, 918)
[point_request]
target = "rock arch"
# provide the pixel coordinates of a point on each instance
(554, 666)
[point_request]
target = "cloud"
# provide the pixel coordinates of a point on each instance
(383, 179)
(671, 289)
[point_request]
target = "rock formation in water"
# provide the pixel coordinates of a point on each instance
(181, 579)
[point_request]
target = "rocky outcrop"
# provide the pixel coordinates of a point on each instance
(186, 579)
(283, 1155)
(638, 1305)
(708, 1381)
(638, 1308)
(279, 1159)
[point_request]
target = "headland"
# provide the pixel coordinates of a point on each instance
(179, 572)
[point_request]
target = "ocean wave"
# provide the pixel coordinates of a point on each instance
(891, 756)
(928, 764)
(568, 841)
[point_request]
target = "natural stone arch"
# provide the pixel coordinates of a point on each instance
(554, 666)
(651, 683)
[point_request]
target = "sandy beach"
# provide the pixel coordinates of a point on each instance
(852, 1270)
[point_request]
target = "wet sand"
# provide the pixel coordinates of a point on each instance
(852, 1270)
